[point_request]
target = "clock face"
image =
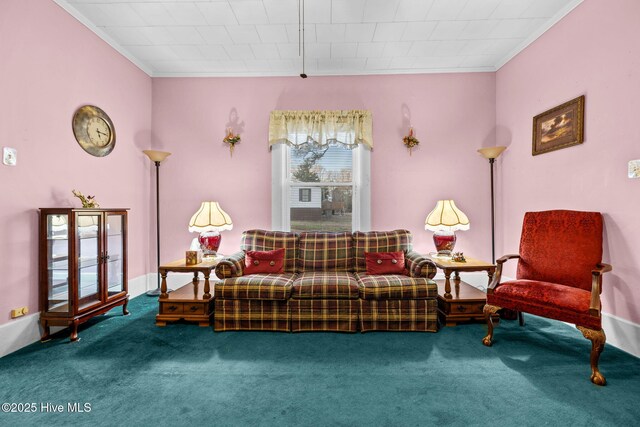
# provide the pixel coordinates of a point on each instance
(98, 131)
(94, 130)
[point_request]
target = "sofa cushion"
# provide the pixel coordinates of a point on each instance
(325, 284)
(378, 241)
(385, 263)
(265, 262)
(256, 286)
(324, 251)
(392, 286)
(262, 240)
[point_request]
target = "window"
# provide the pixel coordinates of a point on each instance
(304, 195)
(320, 169)
(320, 187)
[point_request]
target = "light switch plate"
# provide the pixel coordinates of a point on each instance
(10, 156)
(634, 169)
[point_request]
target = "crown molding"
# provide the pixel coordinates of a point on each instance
(536, 34)
(104, 36)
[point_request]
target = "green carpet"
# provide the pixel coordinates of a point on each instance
(134, 373)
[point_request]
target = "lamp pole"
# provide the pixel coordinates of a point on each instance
(493, 221)
(492, 153)
(157, 157)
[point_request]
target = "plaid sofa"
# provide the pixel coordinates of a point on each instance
(325, 286)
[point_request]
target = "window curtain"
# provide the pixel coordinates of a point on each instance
(294, 128)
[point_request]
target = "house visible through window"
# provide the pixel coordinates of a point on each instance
(328, 203)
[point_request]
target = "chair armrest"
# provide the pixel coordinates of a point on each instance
(498, 274)
(231, 266)
(596, 287)
(419, 265)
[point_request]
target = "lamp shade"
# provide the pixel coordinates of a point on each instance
(446, 216)
(210, 217)
(156, 156)
(492, 152)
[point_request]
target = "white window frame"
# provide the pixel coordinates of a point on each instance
(280, 188)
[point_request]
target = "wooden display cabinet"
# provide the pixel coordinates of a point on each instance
(83, 265)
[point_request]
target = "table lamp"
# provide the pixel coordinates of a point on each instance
(209, 220)
(444, 221)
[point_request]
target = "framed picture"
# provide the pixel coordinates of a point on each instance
(559, 127)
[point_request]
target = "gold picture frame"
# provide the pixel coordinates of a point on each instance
(559, 127)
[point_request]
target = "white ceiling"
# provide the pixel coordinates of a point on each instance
(342, 37)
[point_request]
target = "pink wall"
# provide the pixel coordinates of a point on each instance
(51, 64)
(593, 51)
(453, 115)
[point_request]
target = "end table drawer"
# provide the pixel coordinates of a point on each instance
(171, 308)
(193, 308)
(466, 308)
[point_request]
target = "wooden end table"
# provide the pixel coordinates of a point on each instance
(190, 302)
(467, 302)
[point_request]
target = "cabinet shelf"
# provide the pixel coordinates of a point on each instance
(83, 270)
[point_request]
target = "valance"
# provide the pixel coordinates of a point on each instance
(348, 128)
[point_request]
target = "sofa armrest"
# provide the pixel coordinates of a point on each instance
(231, 266)
(419, 265)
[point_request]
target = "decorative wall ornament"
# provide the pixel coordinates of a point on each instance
(634, 169)
(410, 141)
(559, 127)
(231, 139)
(87, 201)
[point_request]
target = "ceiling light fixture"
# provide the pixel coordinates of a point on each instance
(301, 35)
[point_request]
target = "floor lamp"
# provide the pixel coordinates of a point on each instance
(492, 153)
(157, 157)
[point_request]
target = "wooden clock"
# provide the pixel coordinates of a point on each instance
(94, 130)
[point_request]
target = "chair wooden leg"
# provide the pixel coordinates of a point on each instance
(489, 311)
(521, 318)
(597, 338)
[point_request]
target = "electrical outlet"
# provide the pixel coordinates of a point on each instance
(17, 312)
(10, 156)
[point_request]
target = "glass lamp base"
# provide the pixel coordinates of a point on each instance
(209, 243)
(444, 241)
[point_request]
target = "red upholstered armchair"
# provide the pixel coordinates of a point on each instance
(559, 276)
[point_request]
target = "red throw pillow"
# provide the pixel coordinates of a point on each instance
(385, 262)
(264, 262)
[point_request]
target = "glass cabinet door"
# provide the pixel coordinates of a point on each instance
(88, 235)
(58, 263)
(114, 266)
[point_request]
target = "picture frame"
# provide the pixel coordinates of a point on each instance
(559, 127)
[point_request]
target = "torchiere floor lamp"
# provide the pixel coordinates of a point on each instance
(492, 153)
(157, 157)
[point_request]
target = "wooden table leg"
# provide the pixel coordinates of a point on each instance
(206, 295)
(195, 277)
(163, 285)
(456, 281)
(447, 283)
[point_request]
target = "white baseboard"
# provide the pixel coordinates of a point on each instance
(25, 330)
(621, 333)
